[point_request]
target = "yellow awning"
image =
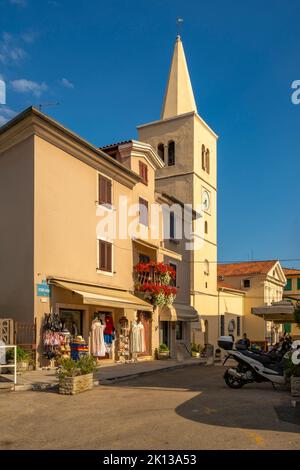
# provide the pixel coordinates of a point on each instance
(104, 296)
(167, 313)
(186, 313)
(178, 312)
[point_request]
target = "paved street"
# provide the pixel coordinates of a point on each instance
(188, 408)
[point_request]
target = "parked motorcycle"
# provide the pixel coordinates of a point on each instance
(253, 366)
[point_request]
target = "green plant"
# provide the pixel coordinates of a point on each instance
(291, 369)
(163, 348)
(71, 368)
(196, 348)
(22, 355)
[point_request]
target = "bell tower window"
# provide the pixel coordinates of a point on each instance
(161, 151)
(203, 157)
(171, 153)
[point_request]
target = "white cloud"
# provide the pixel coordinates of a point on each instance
(66, 83)
(29, 36)
(6, 114)
(10, 52)
(21, 3)
(28, 86)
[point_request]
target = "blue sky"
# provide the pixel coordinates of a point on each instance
(106, 63)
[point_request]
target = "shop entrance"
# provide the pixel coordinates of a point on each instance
(146, 320)
(71, 320)
(164, 333)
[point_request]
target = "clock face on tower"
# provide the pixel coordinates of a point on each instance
(206, 201)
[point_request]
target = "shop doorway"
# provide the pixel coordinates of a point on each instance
(72, 320)
(206, 336)
(146, 320)
(164, 333)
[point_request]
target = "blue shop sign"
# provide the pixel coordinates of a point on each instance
(43, 290)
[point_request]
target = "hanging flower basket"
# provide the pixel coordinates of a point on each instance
(153, 280)
(158, 294)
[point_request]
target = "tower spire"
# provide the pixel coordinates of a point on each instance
(179, 96)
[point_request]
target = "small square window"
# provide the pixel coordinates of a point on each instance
(246, 283)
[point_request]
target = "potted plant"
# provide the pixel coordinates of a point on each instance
(292, 372)
(218, 353)
(76, 376)
(23, 358)
(196, 350)
(163, 352)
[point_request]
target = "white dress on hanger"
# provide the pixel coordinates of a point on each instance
(98, 345)
(137, 338)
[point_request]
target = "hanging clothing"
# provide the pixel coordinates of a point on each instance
(98, 345)
(109, 325)
(137, 338)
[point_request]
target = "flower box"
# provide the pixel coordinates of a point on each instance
(295, 386)
(163, 354)
(77, 384)
(195, 354)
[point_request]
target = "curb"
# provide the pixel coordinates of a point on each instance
(146, 372)
(98, 382)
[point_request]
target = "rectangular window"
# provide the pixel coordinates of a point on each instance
(174, 281)
(246, 283)
(143, 169)
(222, 325)
(144, 258)
(143, 211)
(298, 283)
(104, 190)
(288, 285)
(179, 330)
(105, 256)
(238, 326)
(171, 153)
(172, 225)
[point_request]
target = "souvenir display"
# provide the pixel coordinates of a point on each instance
(137, 337)
(79, 348)
(122, 346)
(56, 339)
(98, 345)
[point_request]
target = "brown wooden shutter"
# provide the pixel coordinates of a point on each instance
(143, 171)
(108, 256)
(105, 190)
(105, 256)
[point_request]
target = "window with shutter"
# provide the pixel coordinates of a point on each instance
(143, 169)
(143, 211)
(298, 283)
(288, 285)
(105, 256)
(105, 190)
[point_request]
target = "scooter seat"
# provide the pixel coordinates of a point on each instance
(258, 357)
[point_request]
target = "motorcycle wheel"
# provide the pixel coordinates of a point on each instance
(233, 382)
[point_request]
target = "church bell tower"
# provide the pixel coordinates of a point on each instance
(188, 147)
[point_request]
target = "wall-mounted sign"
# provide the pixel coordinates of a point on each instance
(43, 290)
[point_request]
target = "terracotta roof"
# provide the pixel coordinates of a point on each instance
(291, 272)
(116, 144)
(245, 268)
(226, 285)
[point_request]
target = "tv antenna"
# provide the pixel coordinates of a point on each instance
(47, 105)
